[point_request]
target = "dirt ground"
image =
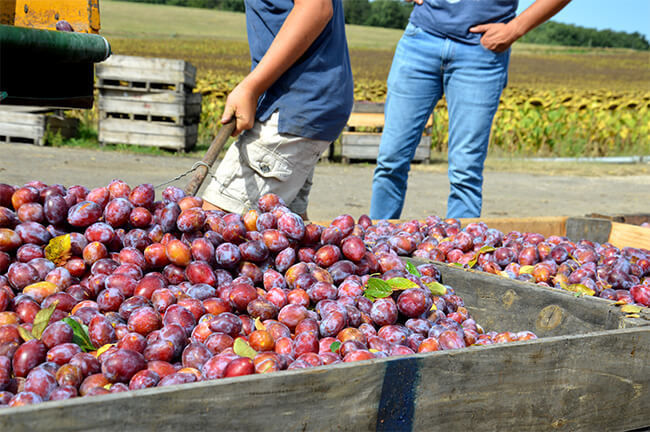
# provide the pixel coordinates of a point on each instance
(513, 188)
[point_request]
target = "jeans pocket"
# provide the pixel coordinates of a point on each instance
(411, 30)
(267, 163)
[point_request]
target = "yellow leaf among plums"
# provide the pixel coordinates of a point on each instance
(58, 249)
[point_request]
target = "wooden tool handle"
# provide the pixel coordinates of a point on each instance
(210, 156)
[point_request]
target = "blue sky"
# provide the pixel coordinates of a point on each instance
(618, 15)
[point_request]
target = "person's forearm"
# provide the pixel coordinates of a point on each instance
(537, 13)
(303, 25)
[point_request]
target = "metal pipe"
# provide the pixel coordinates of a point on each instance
(62, 46)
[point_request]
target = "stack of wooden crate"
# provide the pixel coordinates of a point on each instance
(30, 125)
(148, 102)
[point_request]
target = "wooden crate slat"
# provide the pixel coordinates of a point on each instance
(593, 381)
(165, 135)
(25, 109)
(147, 104)
(137, 62)
(145, 71)
(358, 145)
(367, 107)
(503, 304)
(21, 131)
(148, 128)
(22, 118)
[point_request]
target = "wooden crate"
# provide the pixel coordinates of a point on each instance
(356, 144)
(166, 107)
(29, 125)
(144, 133)
(590, 372)
(145, 74)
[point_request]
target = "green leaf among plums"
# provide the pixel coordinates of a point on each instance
(400, 283)
(80, 334)
(42, 319)
(411, 268)
(377, 288)
(243, 349)
(437, 288)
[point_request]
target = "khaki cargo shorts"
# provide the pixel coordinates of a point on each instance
(261, 161)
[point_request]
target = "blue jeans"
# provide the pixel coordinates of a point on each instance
(424, 68)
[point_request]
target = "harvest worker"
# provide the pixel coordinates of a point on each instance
(460, 48)
(290, 107)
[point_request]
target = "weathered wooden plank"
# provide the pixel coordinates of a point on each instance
(34, 132)
(623, 235)
(25, 109)
(368, 107)
(596, 381)
(359, 145)
(597, 230)
(21, 118)
(147, 70)
(176, 105)
(137, 62)
(544, 225)
(149, 128)
(317, 399)
(164, 135)
(593, 381)
(161, 141)
(503, 304)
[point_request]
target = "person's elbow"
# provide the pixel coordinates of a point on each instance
(321, 10)
(327, 10)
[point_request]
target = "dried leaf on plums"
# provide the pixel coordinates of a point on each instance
(58, 250)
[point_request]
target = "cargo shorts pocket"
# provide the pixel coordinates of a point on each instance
(267, 163)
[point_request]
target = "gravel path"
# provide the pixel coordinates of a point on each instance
(509, 189)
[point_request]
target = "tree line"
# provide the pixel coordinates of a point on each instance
(395, 14)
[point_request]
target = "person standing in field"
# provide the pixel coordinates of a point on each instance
(459, 48)
(289, 108)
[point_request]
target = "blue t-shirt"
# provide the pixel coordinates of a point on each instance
(453, 18)
(314, 96)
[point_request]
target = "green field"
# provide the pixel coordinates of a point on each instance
(125, 19)
(559, 101)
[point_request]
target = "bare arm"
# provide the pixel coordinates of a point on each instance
(499, 37)
(303, 25)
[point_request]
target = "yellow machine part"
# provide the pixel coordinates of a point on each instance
(82, 15)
